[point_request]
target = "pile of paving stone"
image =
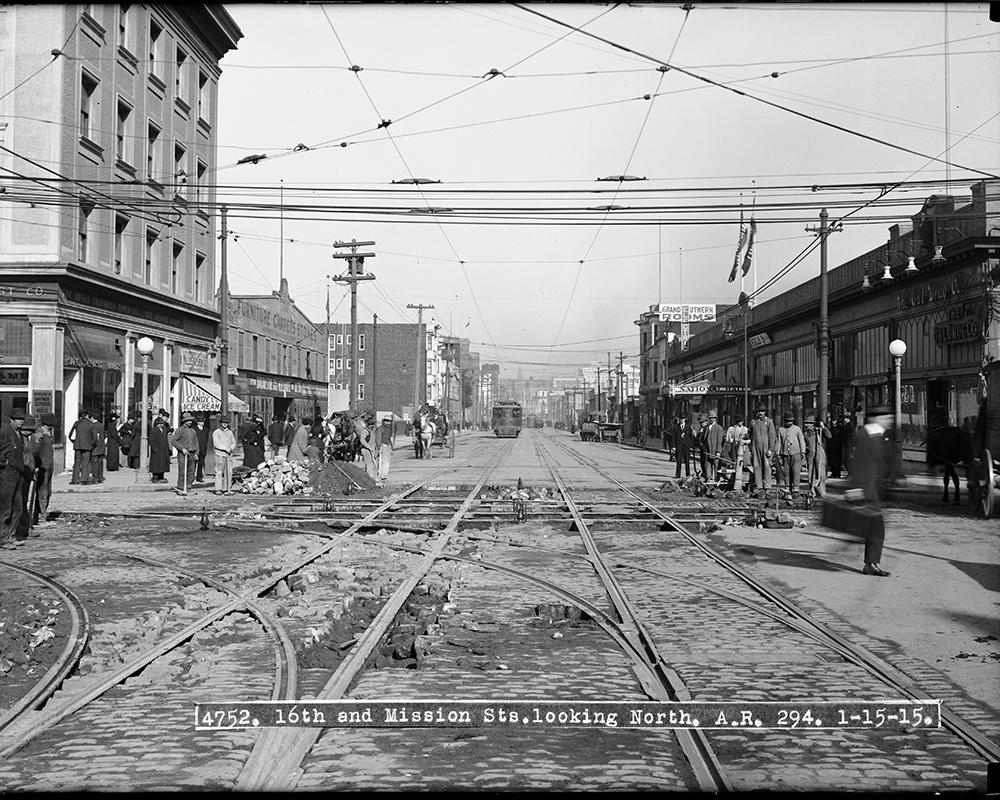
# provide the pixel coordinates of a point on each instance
(518, 493)
(278, 476)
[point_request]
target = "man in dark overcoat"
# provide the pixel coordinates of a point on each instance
(253, 441)
(100, 449)
(713, 439)
(42, 450)
(159, 451)
(870, 474)
(12, 483)
(81, 435)
(201, 429)
(113, 457)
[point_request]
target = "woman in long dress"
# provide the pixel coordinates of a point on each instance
(253, 445)
(113, 457)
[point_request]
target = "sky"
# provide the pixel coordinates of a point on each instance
(769, 111)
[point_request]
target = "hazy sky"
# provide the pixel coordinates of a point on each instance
(518, 154)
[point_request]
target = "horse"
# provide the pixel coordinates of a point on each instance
(949, 446)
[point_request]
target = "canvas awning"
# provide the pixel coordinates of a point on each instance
(202, 394)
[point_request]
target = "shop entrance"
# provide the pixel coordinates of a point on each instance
(938, 403)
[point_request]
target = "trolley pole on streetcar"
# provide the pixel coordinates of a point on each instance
(416, 367)
(355, 273)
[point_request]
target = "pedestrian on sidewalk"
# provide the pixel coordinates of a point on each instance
(11, 478)
(870, 474)
(113, 457)
(201, 431)
(298, 444)
(42, 449)
(29, 425)
(791, 452)
(100, 450)
(683, 440)
(817, 435)
(81, 435)
(224, 443)
(763, 440)
(276, 435)
(159, 451)
(185, 441)
(126, 432)
(253, 441)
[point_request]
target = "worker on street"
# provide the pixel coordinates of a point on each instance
(817, 435)
(224, 444)
(185, 441)
(763, 440)
(384, 436)
(791, 452)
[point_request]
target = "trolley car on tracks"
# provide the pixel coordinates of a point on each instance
(507, 419)
(984, 469)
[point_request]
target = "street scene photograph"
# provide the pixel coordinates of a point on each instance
(505, 397)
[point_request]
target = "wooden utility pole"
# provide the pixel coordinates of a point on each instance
(355, 273)
(223, 329)
(621, 387)
(375, 363)
(822, 391)
(420, 346)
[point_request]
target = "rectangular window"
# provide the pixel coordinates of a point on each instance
(202, 95)
(180, 166)
(340, 364)
(149, 265)
(180, 76)
(201, 195)
(154, 47)
(348, 340)
(122, 137)
(175, 267)
(340, 339)
(123, 24)
(152, 151)
(88, 87)
(361, 341)
(361, 365)
(199, 264)
(86, 209)
(361, 391)
(121, 223)
(347, 364)
(255, 353)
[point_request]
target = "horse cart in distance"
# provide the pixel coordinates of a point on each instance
(984, 467)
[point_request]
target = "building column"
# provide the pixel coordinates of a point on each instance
(46, 364)
(168, 366)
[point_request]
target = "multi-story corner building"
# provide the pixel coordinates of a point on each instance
(107, 230)
(278, 356)
(391, 366)
(935, 285)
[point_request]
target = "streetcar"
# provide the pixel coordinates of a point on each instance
(507, 419)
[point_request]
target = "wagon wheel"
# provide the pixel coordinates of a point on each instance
(987, 485)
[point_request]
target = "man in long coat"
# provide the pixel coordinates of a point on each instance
(42, 450)
(12, 484)
(253, 440)
(817, 435)
(159, 451)
(682, 446)
(202, 432)
(870, 473)
(763, 440)
(113, 457)
(298, 444)
(791, 452)
(713, 439)
(97, 434)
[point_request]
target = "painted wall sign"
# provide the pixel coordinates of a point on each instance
(13, 376)
(966, 329)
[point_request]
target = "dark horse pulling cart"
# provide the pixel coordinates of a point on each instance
(950, 446)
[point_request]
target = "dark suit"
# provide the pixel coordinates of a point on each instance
(98, 453)
(81, 435)
(682, 440)
(12, 485)
(870, 472)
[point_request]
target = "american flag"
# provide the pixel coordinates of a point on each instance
(739, 250)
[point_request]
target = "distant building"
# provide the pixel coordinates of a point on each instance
(115, 138)
(278, 355)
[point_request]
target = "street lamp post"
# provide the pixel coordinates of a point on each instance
(145, 348)
(897, 348)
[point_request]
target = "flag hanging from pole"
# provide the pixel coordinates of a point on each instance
(739, 249)
(748, 258)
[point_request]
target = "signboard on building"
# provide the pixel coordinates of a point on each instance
(707, 388)
(193, 362)
(42, 402)
(686, 312)
(13, 376)
(965, 329)
(759, 340)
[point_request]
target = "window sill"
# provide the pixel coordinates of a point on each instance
(127, 60)
(204, 127)
(180, 105)
(92, 147)
(157, 85)
(125, 168)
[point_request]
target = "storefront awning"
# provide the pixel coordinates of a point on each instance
(202, 394)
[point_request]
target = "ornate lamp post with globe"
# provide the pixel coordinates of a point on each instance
(897, 348)
(145, 348)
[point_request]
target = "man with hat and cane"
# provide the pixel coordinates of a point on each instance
(185, 441)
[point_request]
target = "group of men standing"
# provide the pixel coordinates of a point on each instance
(761, 447)
(26, 462)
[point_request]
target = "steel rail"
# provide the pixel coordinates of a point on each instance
(275, 761)
(76, 642)
(286, 663)
(702, 759)
(17, 737)
(856, 654)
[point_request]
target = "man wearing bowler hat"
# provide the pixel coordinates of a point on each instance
(791, 451)
(185, 441)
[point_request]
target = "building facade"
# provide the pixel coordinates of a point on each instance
(106, 225)
(935, 285)
(278, 356)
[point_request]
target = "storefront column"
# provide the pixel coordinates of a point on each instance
(168, 366)
(46, 364)
(128, 383)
